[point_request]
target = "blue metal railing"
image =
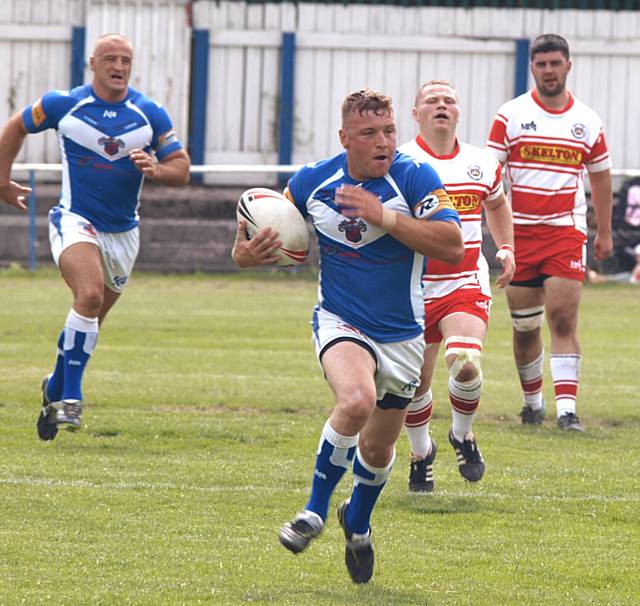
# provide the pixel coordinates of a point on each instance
(195, 170)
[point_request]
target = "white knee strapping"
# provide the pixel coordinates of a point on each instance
(526, 320)
(467, 349)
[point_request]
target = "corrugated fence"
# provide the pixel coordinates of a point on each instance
(250, 100)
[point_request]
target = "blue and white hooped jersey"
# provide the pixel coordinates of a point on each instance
(99, 182)
(368, 278)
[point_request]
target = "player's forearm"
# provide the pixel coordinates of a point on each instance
(11, 138)
(601, 199)
(440, 240)
(173, 171)
(500, 224)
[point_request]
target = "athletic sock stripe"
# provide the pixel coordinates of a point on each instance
(465, 407)
(419, 417)
(463, 345)
(531, 384)
(565, 389)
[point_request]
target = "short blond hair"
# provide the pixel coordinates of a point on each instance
(434, 83)
(365, 100)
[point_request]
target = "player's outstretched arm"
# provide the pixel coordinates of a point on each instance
(11, 139)
(257, 251)
(172, 170)
(440, 240)
(602, 201)
(500, 224)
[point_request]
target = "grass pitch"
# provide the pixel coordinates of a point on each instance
(204, 404)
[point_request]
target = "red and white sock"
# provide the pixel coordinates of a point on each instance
(531, 381)
(565, 370)
(465, 399)
(416, 424)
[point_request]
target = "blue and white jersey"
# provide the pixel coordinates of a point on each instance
(99, 182)
(368, 278)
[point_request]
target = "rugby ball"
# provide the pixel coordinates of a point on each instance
(261, 207)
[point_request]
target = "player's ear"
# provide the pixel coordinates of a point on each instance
(343, 139)
(92, 62)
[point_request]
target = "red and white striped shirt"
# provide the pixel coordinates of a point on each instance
(471, 175)
(545, 153)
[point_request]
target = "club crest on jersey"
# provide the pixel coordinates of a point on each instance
(578, 130)
(111, 146)
(353, 229)
(474, 172)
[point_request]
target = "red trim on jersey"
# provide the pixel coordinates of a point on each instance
(468, 264)
(599, 148)
(567, 107)
(532, 204)
(425, 146)
(497, 180)
(498, 132)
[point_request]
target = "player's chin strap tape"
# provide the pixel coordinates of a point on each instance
(467, 350)
(526, 320)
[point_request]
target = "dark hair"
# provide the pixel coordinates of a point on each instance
(548, 43)
(365, 100)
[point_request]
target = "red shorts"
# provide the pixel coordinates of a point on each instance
(551, 251)
(468, 301)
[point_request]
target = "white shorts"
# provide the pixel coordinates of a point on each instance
(397, 364)
(118, 250)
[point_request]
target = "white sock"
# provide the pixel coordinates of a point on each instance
(465, 399)
(531, 381)
(416, 424)
(565, 370)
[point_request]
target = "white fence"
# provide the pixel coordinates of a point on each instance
(35, 54)
(341, 48)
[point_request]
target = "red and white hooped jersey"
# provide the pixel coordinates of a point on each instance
(471, 175)
(545, 153)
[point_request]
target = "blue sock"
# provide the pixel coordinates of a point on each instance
(368, 482)
(80, 336)
(335, 455)
(54, 386)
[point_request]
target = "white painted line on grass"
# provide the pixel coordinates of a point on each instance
(48, 483)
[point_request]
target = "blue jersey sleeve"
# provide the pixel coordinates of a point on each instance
(165, 141)
(427, 196)
(295, 191)
(47, 111)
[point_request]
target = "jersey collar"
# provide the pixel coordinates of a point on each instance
(423, 145)
(566, 108)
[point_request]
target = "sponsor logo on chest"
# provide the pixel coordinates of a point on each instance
(465, 202)
(549, 153)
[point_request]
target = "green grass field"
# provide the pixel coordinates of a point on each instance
(204, 404)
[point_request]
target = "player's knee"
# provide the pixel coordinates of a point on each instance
(89, 301)
(375, 452)
(467, 372)
(357, 406)
(464, 356)
(562, 323)
(527, 320)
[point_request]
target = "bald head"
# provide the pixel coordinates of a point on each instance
(111, 64)
(106, 40)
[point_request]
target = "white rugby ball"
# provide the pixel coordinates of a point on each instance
(261, 207)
